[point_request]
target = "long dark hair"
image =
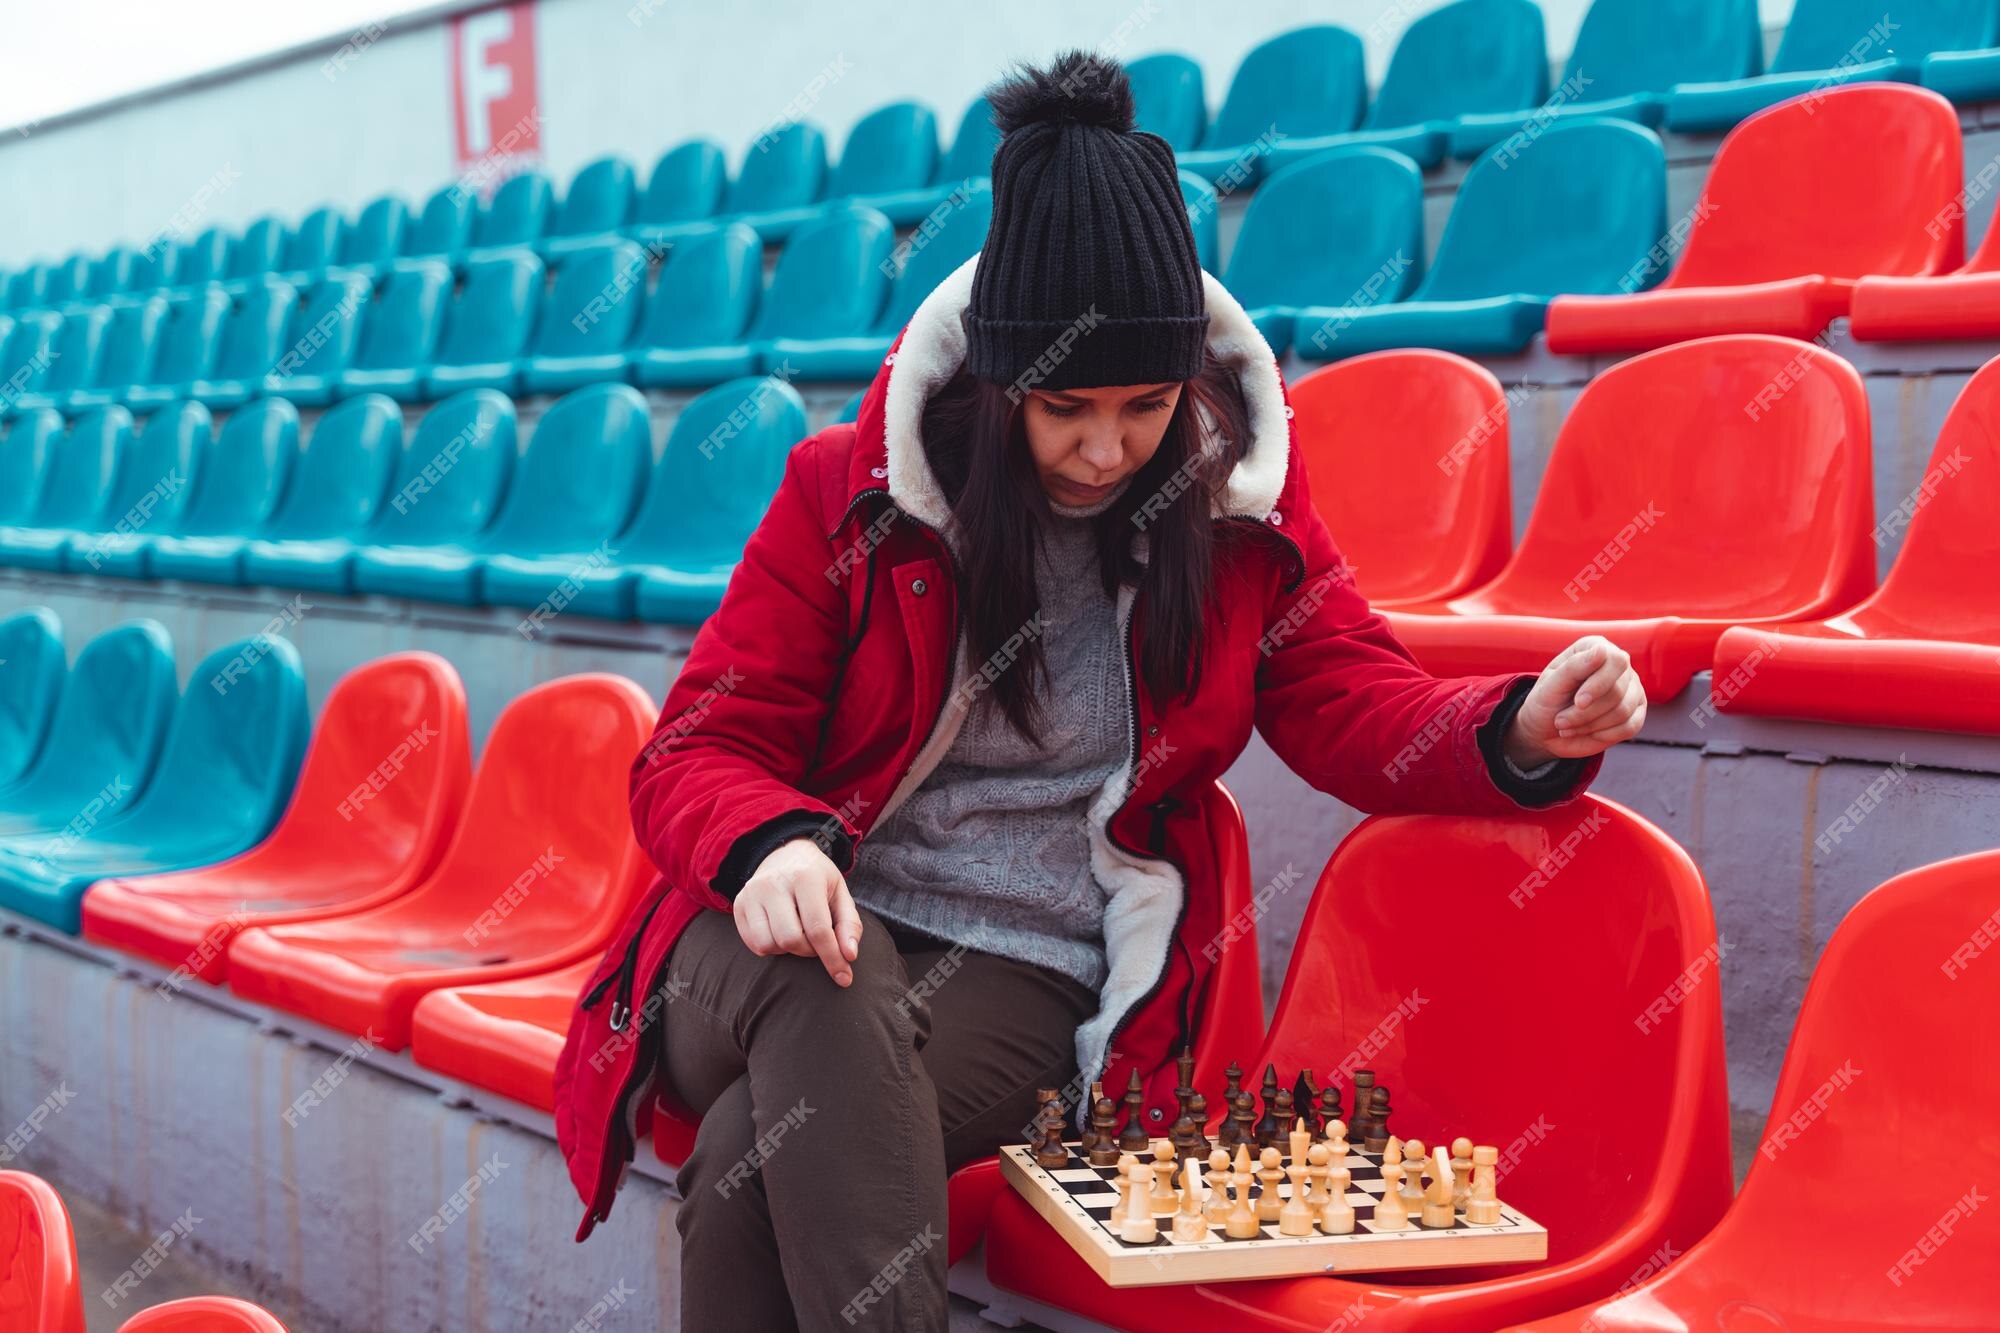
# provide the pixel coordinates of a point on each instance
(977, 443)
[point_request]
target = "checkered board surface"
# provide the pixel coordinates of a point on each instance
(1077, 1199)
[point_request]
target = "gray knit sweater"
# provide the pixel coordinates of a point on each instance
(992, 849)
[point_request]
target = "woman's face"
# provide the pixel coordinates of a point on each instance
(1085, 441)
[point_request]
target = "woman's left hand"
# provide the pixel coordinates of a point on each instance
(1585, 701)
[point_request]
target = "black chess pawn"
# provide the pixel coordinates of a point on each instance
(1329, 1107)
(1104, 1122)
(1378, 1121)
(1283, 1118)
(1243, 1118)
(1267, 1130)
(1198, 1116)
(1133, 1138)
(1183, 1138)
(1050, 1153)
(1305, 1095)
(1364, 1088)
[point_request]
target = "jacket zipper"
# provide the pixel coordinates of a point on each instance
(621, 1004)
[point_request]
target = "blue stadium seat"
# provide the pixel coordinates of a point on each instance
(587, 318)
(27, 457)
(81, 474)
(225, 773)
(927, 260)
(254, 336)
(1966, 77)
(112, 275)
(29, 287)
(1627, 55)
(77, 350)
(32, 668)
(154, 270)
(450, 479)
(1577, 212)
(1170, 98)
(258, 252)
(69, 280)
(1204, 208)
(237, 488)
(1468, 58)
(487, 327)
(783, 171)
(970, 159)
(187, 346)
(685, 192)
(320, 343)
(201, 259)
(563, 552)
(444, 229)
(891, 155)
(147, 494)
(336, 488)
(696, 327)
(597, 207)
(313, 248)
(1829, 43)
(131, 345)
(1309, 82)
(517, 215)
(850, 411)
(714, 481)
(399, 331)
(1345, 225)
(831, 280)
(104, 740)
(579, 477)
(375, 240)
(30, 351)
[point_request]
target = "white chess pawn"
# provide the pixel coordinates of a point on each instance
(1218, 1179)
(1336, 1215)
(1189, 1223)
(1165, 1202)
(1137, 1227)
(1482, 1208)
(1390, 1215)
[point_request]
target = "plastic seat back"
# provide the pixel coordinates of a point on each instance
(785, 168)
(1469, 57)
(1882, 158)
(445, 225)
(1406, 458)
(29, 288)
(76, 352)
(204, 1314)
(33, 347)
(581, 474)
(343, 473)
(32, 668)
(491, 316)
(1647, 46)
(109, 722)
(703, 501)
(191, 336)
(1579, 213)
(688, 184)
(1585, 910)
(259, 250)
(519, 211)
(830, 281)
(972, 151)
(594, 301)
(41, 1287)
(955, 239)
(453, 475)
(244, 476)
(325, 328)
(68, 280)
(156, 266)
(893, 147)
(376, 237)
(157, 475)
(1308, 81)
(203, 258)
(315, 242)
(707, 291)
(85, 469)
(1316, 232)
(254, 335)
(1822, 34)
(132, 343)
(400, 324)
(1203, 206)
(599, 199)
(1169, 97)
(27, 456)
(1750, 498)
(112, 274)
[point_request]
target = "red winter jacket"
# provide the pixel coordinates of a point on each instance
(819, 689)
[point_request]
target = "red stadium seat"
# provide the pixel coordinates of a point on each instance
(1924, 650)
(541, 867)
(1446, 954)
(1406, 454)
(1714, 483)
(378, 796)
(40, 1289)
(1965, 304)
(1868, 1204)
(1804, 198)
(203, 1314)
(503, 1036)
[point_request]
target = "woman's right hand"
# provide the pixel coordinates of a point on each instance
(797, 902)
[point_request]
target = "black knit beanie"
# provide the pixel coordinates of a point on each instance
(1089, 275)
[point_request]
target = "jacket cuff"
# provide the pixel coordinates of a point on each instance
(1545, 784)
(750, 849)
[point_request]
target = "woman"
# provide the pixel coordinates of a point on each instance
(928, 796)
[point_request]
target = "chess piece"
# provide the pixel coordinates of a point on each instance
(1414, 1162)
(1164, 1200)
(1364, 1089)
(1269, 1175)
(1482, 1208)
(1329, 1109)
(1050, 1152)
(1133, 1138)
(1087, 1142)
(1241, 1224)
(1378, 1119)
(1436, 1213)
(1461, 1172)
(1244, 1117)
(1184, 1091)
(1198, 1116)
(1218, 1178)
(1190, 1223)
(1104, 1120)
(1298, 1142)
(1390, 1214)
(1304, 1094)
(1126, 1161)
(1296, 1217)
(1316, 1169)
(1225, 1134)
(1284, 1117)
(1163, 1150)
(1184, 1141)
(1336, 1142)
(1266, 1129)
(1336, 1215)
(1138, 1226)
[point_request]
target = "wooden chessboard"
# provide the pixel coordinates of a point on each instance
(1077, 1200)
